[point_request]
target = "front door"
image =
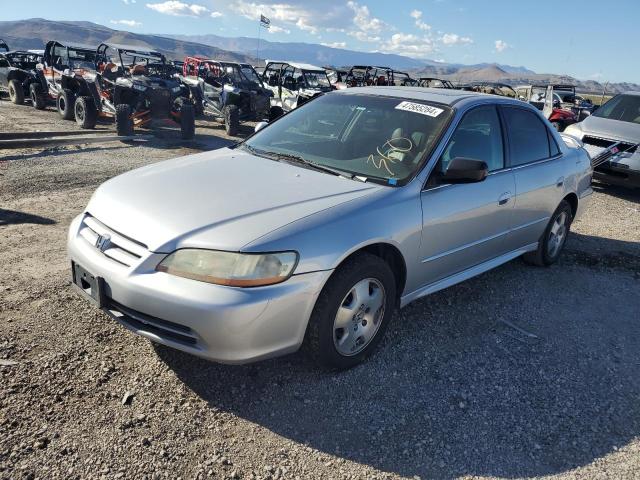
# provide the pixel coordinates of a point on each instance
(466, 224)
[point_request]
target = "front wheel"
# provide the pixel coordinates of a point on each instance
(187, 121)
(231, 119)
(85, 112)
(38, 97)
(352, 312)
(553, 239)
(65, 103)
(124, 122)
(16, 92)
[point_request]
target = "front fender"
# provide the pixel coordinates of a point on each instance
(325, 239)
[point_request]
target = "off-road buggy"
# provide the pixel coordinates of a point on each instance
(371, 75)
(543, 97)
(228, 91)
(294, 84)
(337, 77)
(63, 74)
(18, 76)
(433, 82)
(135, 86)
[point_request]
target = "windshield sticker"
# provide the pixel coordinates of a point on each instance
(392, 151)
(420, 108)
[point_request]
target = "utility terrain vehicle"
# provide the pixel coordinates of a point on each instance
(63, 75)
(294, 84)
(135, 85)
(18, 76)
(544, 98)
(432, 82)
(228, 91)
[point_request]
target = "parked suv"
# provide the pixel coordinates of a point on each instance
(18, 76)
(315, 229)
(227, 91)
(294, 84)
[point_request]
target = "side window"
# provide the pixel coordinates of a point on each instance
(287, 78)
(478, 136)
(528, 136)
(553, 146)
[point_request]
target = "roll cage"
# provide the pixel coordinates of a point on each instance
(153, 63)
(368, 75)
(433, 82)
(493, 88)
(218, 73)
(61, 57)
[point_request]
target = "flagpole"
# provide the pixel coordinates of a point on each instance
(258, 47)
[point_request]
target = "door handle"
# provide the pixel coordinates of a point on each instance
(504, 198)
(560, 182)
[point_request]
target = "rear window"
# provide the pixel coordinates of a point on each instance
(528, 136)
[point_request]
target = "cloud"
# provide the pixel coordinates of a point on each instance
(179, 9)
(128, 23)
(216, 14)
(501, 46)
(128, 2)
(335, 45)
(363, 19)
(409, 44)
(451, 39)
(277, 29)
(417, 16)
(364, 37)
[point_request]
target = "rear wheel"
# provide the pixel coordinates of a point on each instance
(187, 121)
(65, 103)
(85, 112)
(38, 97)
(124, 122)
(553, 239)
(352, 312)
(16, 92)
(231, 119)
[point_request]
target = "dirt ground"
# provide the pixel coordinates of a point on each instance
(521, 372)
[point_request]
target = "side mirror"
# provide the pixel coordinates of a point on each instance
(260, 125)
(465, 170)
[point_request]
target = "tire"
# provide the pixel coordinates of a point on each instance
(549, 246)
(38, 98)
(325, 341)
(65, 103)
(85, 111)
(187, 121)
(231, 119)
(275, 112)
(16, 92)
(124, 122)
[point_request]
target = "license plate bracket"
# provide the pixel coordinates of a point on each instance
(91, 286)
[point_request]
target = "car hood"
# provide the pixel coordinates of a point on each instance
(222, 199)
(611, 129)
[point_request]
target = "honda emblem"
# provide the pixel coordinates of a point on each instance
(103, 241)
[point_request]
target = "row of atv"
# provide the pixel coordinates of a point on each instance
(133, 86)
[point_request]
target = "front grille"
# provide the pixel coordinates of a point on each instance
(605, 143)
(117, 247)
(160, 102)
(601, 150)
(165, 329)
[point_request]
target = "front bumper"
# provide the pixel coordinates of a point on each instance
(224, 324)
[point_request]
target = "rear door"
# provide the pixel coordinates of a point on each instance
(466, 224)
(538, 169)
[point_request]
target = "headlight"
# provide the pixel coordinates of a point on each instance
(140, 88)
(230, 268)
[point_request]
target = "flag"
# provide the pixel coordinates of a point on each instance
(264, 21)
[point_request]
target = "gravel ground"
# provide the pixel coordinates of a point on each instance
(521, 372)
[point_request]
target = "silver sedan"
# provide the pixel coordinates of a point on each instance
(318, 227)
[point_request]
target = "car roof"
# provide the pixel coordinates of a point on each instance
(301, 66)
(438, 95)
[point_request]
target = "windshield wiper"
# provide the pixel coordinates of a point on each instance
(314, 165)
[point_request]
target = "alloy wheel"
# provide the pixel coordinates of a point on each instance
(557, 234)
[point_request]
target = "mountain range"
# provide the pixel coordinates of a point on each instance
(35, 32)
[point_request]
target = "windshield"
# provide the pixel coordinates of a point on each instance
(375, 137)
(317, 79)
(625, 108)
(250, 74)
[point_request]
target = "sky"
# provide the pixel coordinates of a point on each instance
(588, 39)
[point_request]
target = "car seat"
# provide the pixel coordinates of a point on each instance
(138, 70)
